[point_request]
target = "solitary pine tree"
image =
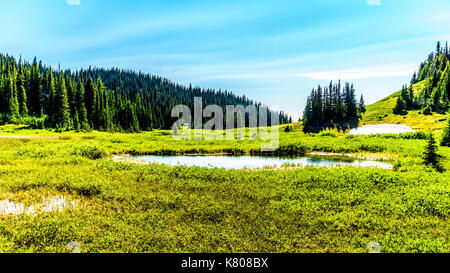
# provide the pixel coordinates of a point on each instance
(430, 155)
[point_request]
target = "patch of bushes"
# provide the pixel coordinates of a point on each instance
(328, 133)
(415, 135)
(34, 122)
(292, 149)
(288, 129)
(90, 151)
(35, 152)
(371, 148)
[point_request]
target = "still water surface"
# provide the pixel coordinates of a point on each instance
(253, 162)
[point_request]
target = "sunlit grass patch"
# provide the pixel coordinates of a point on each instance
(48, 204)
(156, 208)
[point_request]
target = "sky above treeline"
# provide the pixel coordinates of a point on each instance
(271, 51)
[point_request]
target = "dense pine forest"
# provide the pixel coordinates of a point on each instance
(97, 98)
(332, 106)
(435, 96)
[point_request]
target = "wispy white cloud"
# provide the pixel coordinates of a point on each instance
(73, 2)
(362, 73)
(374, 2)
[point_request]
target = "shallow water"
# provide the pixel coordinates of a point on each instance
(381, 129)
(254, 162)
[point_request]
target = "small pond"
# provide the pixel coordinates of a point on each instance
(255, 162)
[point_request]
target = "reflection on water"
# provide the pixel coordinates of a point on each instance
(253, 162)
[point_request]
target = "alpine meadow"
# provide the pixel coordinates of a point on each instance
(91, 157)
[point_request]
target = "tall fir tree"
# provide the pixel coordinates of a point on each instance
(400, 106)
(71, 93)
(362, 105)
(13, 101)
(90, 93)
(80, 105)
(410, 104)
(62, 114)
(51, 102)
(101, 111)
(34, 95)
(21, 93)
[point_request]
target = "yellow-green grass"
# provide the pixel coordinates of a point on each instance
(127, 207)
(381, 112)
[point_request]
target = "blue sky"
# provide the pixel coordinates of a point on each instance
(272, 51)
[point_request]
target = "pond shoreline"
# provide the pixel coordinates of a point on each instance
(314, 153)
(254, 162)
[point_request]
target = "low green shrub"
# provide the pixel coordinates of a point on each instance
(90, 151)
(328, 133)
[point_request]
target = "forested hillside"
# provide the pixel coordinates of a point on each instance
(434, 96)
(96, 98)
(424, 102)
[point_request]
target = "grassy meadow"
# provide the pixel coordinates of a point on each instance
(381, 112)
(126, 207)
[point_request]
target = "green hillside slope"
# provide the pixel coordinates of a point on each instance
(381, 113)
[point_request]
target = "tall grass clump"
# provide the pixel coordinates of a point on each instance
(90, 151)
